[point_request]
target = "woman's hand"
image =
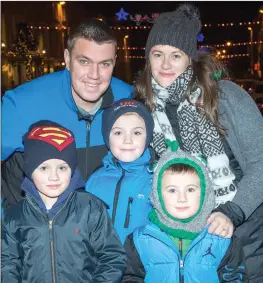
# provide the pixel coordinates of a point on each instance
(220, 225)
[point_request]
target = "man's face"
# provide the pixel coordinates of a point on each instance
(91, 66)
(181, 194)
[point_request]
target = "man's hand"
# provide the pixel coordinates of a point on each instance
(220, 225)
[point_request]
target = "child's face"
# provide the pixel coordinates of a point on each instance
(52, 177)
(181, 194)
(128, 137)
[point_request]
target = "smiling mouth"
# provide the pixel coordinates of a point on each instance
(53, 186)
(182, 208)
(167, 74)
(91, 85)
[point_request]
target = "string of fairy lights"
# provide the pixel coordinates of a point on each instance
(221, 56)
(63, 28)
(141, 27)
(228, 44)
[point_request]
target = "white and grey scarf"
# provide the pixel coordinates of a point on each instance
(199, 135)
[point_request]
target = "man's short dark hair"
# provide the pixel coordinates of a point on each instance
(93, 30)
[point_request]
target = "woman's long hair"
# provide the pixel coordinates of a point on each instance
(207, 71)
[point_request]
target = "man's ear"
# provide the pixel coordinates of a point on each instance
(67, 59)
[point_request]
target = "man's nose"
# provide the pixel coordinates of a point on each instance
(94, 71)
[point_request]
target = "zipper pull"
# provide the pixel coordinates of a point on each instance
(88, 126)
(50, 225)
(181, 263)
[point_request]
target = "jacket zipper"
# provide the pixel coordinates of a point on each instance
(51, 234)
(88, 126)
(183, 260)
(116, 197)
(87, 142)
(52, 251)
(128, 213)
(181, 270)
(52, 241)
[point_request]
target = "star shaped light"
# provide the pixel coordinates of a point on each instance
(200, 37)
(122, 15)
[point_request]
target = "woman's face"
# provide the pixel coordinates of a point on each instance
(167, 63)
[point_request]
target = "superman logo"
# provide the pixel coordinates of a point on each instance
(58, 137)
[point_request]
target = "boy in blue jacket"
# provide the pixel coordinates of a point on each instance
(124, 182)
(176, 246)
(58, 233)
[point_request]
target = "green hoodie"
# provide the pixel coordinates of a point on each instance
(181, 228)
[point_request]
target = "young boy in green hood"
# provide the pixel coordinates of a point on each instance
(176, 246)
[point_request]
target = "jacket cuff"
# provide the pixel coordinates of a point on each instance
(232, 211)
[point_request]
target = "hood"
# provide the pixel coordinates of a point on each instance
(29, 187)
(181, 228)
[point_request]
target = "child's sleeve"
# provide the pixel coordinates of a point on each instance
(107, 248)
(232, 267)
(11, 257)
(135, 272)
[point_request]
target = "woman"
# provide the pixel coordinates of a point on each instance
(210, 117)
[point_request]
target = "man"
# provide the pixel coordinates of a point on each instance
(74, 97)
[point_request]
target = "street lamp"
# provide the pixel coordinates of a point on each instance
(125, 47)
(251, 51)
(127, 66)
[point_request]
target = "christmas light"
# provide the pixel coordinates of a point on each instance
(219, 56)
(228, 44)
(146, 27)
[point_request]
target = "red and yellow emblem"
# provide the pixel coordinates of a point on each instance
(58, 137)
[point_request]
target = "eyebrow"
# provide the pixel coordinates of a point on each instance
(132, 128)
(178, 51)
(193, 185)
(85, 57)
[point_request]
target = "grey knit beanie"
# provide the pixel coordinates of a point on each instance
(187, 228)
(178, 29)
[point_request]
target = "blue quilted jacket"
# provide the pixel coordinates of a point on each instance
(125, 187)
(163, 263)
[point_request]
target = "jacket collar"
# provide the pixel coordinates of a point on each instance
(107, 99)
(111, 163)
(155, 232)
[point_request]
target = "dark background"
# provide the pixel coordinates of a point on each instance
(37, 13)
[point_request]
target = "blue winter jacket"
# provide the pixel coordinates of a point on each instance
(163, 263)
(125, 188)
(50, 98)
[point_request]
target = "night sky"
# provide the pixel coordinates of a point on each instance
(210, 10)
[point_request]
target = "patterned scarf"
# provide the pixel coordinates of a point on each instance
(199, 135)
